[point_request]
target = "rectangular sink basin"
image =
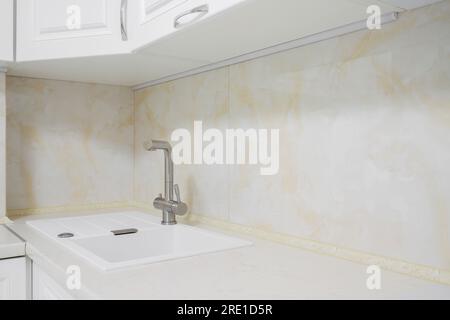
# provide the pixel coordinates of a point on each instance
(91, 237)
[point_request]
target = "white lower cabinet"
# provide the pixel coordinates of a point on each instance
(45, 288)
(13, 284)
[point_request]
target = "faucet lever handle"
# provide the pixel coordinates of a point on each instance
(177, 192)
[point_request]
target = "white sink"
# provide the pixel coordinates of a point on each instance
(93, 240)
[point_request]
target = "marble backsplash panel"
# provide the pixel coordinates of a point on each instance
(364, 125)
(68, 143)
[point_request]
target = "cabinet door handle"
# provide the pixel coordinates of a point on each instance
(123, 19)
(199, 12)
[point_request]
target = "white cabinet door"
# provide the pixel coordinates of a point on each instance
(156, 19)
(13, 279)
(49, 29)
(254, 25)
(6, 30)
(45, 288)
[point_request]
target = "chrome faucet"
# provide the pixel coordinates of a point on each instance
(170, 207)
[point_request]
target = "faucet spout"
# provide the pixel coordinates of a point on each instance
(153, 145)
(168, 205)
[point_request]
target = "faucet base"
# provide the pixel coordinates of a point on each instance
(170, 223)
(168, 218)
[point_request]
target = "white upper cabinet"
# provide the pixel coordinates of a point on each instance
(137, 42)
(49, 29)
(258, 24)
(6, 30)
(155, 19)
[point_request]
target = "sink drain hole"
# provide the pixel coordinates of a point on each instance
(65, 235)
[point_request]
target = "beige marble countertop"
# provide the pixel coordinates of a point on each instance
(265, 270)
(10, 245)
